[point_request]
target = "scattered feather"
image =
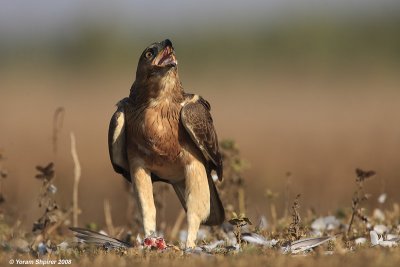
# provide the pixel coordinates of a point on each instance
(213, 245)
(253, 238)
(102, 232)
(387, 243)
(391, 237)
(231, 239)
(52, 189)
(98, 239)
(360, 241)
(325, 223)
(381, 229)
(382, 198)
(139, 240)
(376, 240)
(306, 244)
(43, 249)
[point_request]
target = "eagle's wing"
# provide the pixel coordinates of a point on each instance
(117, 141)
(197, 120)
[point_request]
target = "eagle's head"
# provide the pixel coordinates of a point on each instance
(157, 61)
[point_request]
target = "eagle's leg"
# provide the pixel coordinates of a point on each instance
(197, 199)
(143, 189)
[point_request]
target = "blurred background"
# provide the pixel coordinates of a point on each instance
(306, 87)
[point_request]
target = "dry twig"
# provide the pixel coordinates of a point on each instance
(359, 196)
(77, 177)
(295, 229)
(58, 120)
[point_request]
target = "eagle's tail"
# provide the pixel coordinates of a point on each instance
(217, 212)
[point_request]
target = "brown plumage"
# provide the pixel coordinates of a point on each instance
(161, 133)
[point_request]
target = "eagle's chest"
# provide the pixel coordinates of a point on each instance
(156, 131)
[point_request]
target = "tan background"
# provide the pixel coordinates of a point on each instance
(314, 96)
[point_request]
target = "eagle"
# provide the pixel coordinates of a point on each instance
(160, 133)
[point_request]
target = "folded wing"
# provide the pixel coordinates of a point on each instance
(117, 141)
(197, 120)
(117, 146)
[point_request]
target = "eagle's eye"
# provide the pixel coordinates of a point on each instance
(149, 54)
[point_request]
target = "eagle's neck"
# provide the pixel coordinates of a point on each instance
(158, 90)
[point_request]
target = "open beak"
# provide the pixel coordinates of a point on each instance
(166, 57)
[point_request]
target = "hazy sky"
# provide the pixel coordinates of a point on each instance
(24, 17)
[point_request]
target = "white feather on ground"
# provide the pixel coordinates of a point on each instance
(258, 240)
(306, 244)
(379, 241)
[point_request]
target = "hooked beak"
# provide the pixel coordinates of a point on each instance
(166, 57)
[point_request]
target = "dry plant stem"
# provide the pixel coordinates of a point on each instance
(238, 234)
(287, 193)
(177, 225)
(273, 213)
(241, 199)
(58, 120)
(354, 208)
(77, 177)
(351, 223)
(108, 218)
(295, 226)
(356, 202)
(359, 196)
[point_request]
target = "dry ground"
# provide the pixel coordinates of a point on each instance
(369, 257)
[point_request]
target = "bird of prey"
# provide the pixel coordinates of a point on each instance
(161, 133)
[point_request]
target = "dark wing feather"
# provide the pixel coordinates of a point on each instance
(117, 141)
(197, 120)
(98, 239)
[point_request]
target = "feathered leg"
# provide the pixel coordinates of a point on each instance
(197, 199)
(143, 189)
